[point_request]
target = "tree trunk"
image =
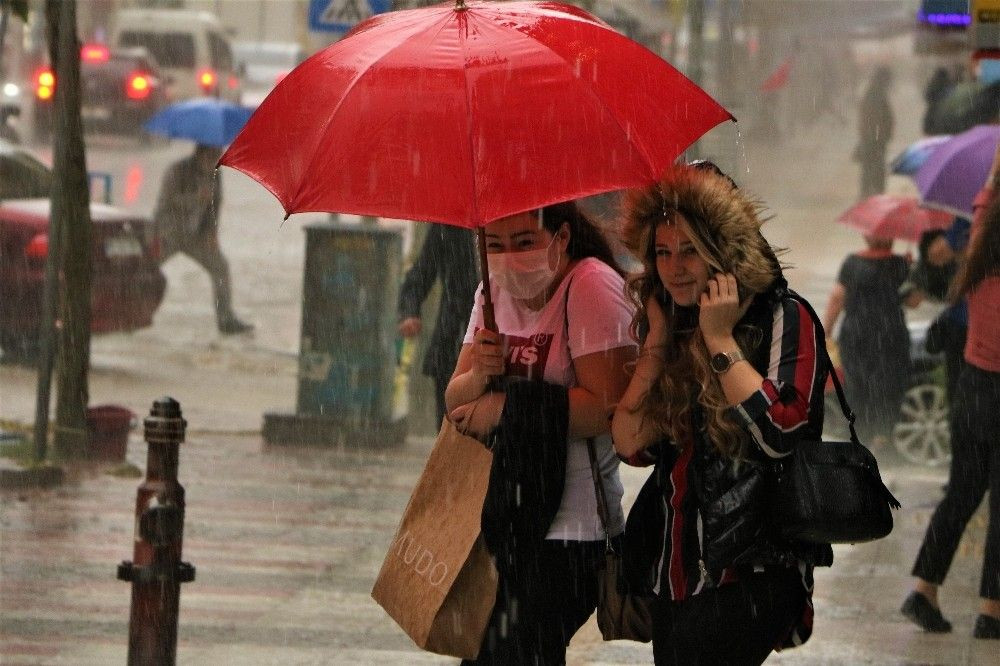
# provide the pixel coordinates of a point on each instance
(71, 206)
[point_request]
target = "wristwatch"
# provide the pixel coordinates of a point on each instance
(722, 361)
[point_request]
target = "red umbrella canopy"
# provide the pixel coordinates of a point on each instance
(468, 112)
(891, 216)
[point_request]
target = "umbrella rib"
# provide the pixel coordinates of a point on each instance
(590, 91)
(347, 91)
(468, 129)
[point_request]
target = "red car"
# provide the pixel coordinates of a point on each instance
(127, 285)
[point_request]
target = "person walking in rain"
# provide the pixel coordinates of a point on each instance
(727, 379)
(448, 254)
(875, 125)
(560, 306)
(873, 339)
(975, 422)
(187, 221)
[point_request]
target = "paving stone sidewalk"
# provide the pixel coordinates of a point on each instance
(287, 543)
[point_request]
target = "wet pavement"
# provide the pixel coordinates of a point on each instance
(287, 541)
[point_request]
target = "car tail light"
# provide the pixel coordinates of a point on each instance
(45, 84)
(94, 53)
(138, 86)
(37, 247)
(233, 82)
(154, 247)
(207, 79)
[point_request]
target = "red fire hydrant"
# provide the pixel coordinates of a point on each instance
(156, 571)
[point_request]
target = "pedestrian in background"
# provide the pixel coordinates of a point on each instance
(875, 125)
(728, 378)
(447, 256)
(873, 339)
(938, 87)
(187, 221)
(931, 277)
(975, 422)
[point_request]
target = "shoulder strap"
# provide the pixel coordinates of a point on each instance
(825, 357)
(602, 500)
(599, 492)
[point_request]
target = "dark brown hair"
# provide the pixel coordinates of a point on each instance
(585, 238)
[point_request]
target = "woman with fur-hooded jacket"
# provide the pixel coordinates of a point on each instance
(728, 379)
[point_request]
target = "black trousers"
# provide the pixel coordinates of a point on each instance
(975, 466)
(440, 384)
(738, 623)
(534, 619)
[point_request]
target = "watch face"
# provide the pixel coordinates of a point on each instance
(720, 362)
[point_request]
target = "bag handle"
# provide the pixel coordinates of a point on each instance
(599, 493)
(848, 413)
(825, 357)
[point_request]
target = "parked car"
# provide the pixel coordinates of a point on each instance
(191, 47)
(920, 434)
(127, 284)
(11, 102)
(22, 175)
(121, 88)
(263, 64)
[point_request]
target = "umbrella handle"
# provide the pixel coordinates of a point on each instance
(489, 319)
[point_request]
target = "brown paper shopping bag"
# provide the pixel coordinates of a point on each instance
(438, 581)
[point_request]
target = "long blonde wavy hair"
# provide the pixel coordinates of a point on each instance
(724, 228)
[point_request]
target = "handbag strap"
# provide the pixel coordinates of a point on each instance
(848, 413)
(599, 492)
(824, 356)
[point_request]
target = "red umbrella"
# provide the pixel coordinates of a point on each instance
(892, 216)
(466, 113)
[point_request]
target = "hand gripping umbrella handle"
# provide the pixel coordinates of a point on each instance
(489, 319)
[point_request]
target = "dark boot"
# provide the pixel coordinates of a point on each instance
(232, 325)
(987, 626)
(923, 614)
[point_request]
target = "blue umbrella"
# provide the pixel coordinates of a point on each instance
(913, 157)
(204, 120)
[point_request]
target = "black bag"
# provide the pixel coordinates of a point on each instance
(620, 613)
(831, 492)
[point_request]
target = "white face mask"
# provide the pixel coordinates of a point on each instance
(523, 275)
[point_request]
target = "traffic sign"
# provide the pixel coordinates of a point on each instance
(342, 15)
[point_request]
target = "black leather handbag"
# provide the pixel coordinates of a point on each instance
(831, 492)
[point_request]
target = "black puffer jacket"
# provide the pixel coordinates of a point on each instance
(731, 494)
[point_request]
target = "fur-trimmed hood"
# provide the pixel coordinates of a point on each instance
(724, 220)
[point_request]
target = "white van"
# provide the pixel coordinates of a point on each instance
(191, 48)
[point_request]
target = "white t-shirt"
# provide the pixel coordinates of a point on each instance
(537, 347)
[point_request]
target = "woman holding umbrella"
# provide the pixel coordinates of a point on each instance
(727, 378)
(563, 319)
(975, 421)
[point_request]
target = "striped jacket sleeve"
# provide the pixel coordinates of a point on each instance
(778, 412)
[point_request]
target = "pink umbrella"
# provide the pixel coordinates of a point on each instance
(893, 216)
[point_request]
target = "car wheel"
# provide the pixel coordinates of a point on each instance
(921, 434)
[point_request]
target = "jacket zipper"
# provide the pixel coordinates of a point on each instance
(701, 553)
